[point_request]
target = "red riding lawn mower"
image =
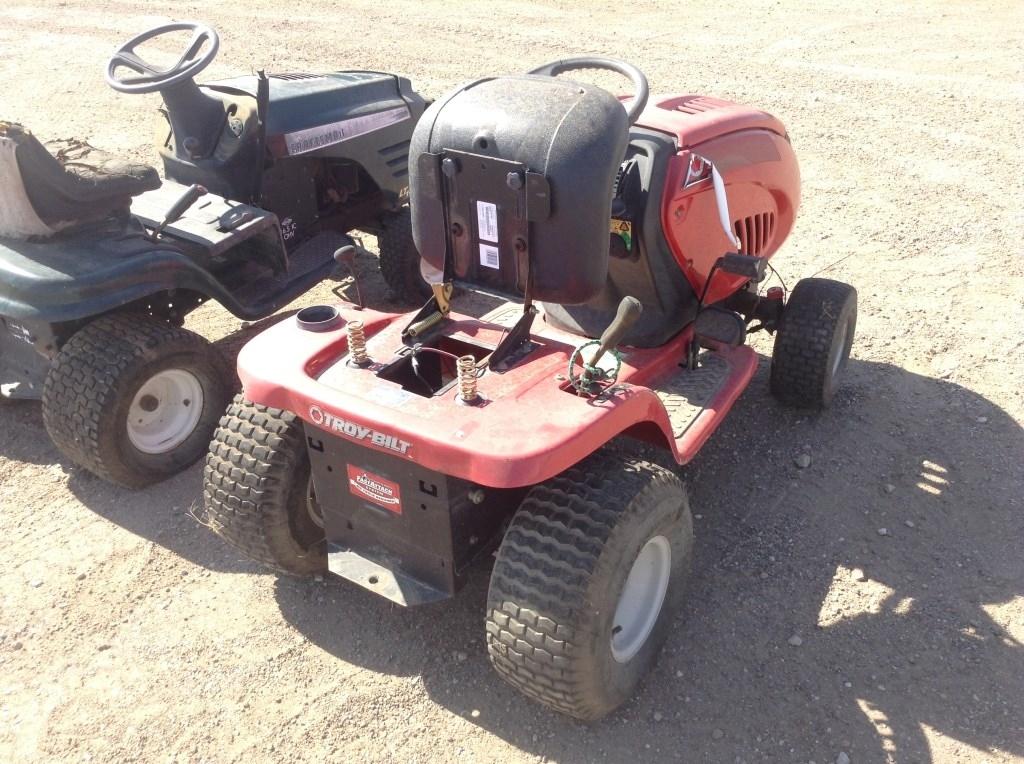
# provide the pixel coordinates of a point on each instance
(394, 450)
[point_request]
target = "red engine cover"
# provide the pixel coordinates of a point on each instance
(752, 152)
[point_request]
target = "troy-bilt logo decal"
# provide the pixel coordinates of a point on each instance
(357, 431)
(379, 490)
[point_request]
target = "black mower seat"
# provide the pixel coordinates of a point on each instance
(70, 182)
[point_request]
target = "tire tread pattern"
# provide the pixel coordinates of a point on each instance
(539, 585)
(247, 483)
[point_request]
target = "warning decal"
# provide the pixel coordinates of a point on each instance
(624, 230)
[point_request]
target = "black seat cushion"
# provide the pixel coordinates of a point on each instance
(72, 182)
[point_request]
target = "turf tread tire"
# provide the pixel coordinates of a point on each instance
(801, 370)
(550, 572)
(400, 260)
(254, 483)
(93, 374)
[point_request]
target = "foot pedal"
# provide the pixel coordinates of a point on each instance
(716, 326)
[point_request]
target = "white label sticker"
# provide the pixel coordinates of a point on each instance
(321, 136)
(489, 256)
(487, 221)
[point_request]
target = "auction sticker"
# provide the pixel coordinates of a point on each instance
(372, 487)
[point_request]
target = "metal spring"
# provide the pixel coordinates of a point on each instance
(467, 378)
(357, 343)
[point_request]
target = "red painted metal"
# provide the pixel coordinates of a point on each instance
(751, 150)
(529, 428)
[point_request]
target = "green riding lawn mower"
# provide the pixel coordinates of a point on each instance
(266, 177)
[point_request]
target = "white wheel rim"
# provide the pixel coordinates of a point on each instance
(641, 599)
(165, 411)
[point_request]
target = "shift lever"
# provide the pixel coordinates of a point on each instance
(628, 313)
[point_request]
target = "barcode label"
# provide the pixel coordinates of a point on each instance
(489, 256)
(487, 221)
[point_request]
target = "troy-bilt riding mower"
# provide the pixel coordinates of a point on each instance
(393, 450)
(100, 262)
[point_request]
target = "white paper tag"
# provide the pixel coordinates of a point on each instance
(487, 221)
(489, 256)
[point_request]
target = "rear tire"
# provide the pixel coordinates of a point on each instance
(133, 399)
(812, 345)
(558, 626)
(257, 489)
(400, 260)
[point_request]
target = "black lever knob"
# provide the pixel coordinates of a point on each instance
(628, 313)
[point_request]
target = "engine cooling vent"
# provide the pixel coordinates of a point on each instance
(397, 158)
(698, 105)
(755, 232)
(295, 76)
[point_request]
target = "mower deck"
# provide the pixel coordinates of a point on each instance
(493, 443)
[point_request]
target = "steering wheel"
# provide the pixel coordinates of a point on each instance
(640, 89)
(149, 78)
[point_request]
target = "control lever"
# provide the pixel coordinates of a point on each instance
(346, 256)
(179, 208)
(628, 313)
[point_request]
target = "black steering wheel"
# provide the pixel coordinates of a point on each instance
(640, 89)
(149, 78)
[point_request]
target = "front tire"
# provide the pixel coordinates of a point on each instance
(586, 582)
(400, 260)
(133, 399)
(258, 492)
(813, 343)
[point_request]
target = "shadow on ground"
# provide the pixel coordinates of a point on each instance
(920, 645)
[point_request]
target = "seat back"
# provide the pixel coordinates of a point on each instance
(78, 185)
(18, 219)
(511, 183)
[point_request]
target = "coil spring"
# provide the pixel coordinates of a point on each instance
(357, 343)
(467, 378)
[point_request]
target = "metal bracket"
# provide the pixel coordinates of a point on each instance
(516, 343)
(430, 315)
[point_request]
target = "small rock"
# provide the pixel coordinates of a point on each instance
(843, 758)
(802, 461)
(318, 578)
(80, 577)
(883, 531)
(679, 675)
(889, 487)
(657, 716)
(909, 523)
(718, 734)
(35, 583)
(982, 419)
(795, 640)
(102, 648)
(858, 574)
(460, 656)
(16, 645)
(847, 685)
(475, 713)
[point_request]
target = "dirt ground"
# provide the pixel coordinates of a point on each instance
(129, 632)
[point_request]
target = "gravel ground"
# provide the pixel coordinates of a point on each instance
(129, 632)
